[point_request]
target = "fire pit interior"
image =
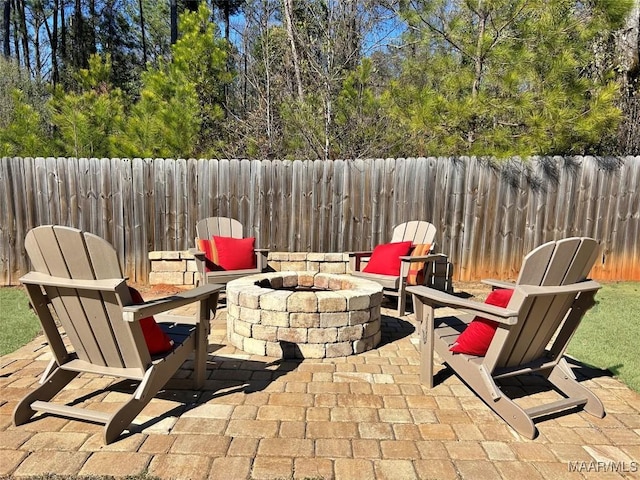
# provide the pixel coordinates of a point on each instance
(303, 314)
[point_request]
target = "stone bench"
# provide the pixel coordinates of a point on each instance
(179, 268)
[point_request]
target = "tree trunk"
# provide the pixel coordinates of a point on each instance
(16, 32)
(7, 28)
(78, 34)
(63, 33)
(25, 35)
(174, 21)
(628, 47)
(53, 39)
(478, 66)
(92, 27)
(328, 117)
(227, 20)
(288, 8)
(143, 33)
(38, 20)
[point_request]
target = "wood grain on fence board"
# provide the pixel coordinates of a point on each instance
(488, 215)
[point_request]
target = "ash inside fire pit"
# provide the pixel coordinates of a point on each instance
(303, 314)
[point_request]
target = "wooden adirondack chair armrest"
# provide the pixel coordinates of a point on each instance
(196, 253)
(44, 280)
(419, 258)
(407, 260)
(360, 254)
(498, 283)
(437, 298)
(132, 313)
(355, 259)
(585, 286)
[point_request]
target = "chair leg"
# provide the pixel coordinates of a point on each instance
(206, 310)
(55, 382)
(425, 318)
(154, 380)
(485, 387)
(402, 305)
(515, 416)
(120, 420)
(506, 408)
(563, 379)
(402, 299)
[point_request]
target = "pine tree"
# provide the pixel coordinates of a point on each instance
(504, 77)
(88, 122)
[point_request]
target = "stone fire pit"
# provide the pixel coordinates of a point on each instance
(303, 314)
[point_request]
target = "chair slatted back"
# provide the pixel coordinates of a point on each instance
(416, 231)
(553, 264)
(559, 263)
(219, 226)
(92, 319)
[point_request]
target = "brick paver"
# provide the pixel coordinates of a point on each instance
(354, 469)
(9, 460)
(117, 464)
(55, 441)
(477, 470)
(313, 468)
(224, 467)
(59, 463)
(268, 468)
(195, 467)
(360, 417)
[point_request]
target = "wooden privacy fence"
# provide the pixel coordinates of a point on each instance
(488, 215)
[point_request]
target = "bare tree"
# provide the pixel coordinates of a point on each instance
(142, 33)
(24, 34)
(16, 31)
(288, 16)
(53, 41)
(331, 37)
(38, 19)
(6, 27)
(78, 33)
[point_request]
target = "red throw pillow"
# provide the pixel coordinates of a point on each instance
(235, 253)
(476, 338)
(157, 341)
(385, 259)
(208, 247)
(416, 269)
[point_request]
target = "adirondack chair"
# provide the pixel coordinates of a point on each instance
(77, 281)
(424, 266)
(533, 331)
(229, 228)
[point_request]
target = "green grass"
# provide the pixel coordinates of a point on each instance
(18, 324)
(608, 335)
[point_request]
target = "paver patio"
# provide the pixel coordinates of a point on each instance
(360, 417)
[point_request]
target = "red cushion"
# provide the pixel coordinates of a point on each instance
(235, 253)
(476, 338)
(208, 247)
(385, 259)
(416, 269)
(157, 341)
